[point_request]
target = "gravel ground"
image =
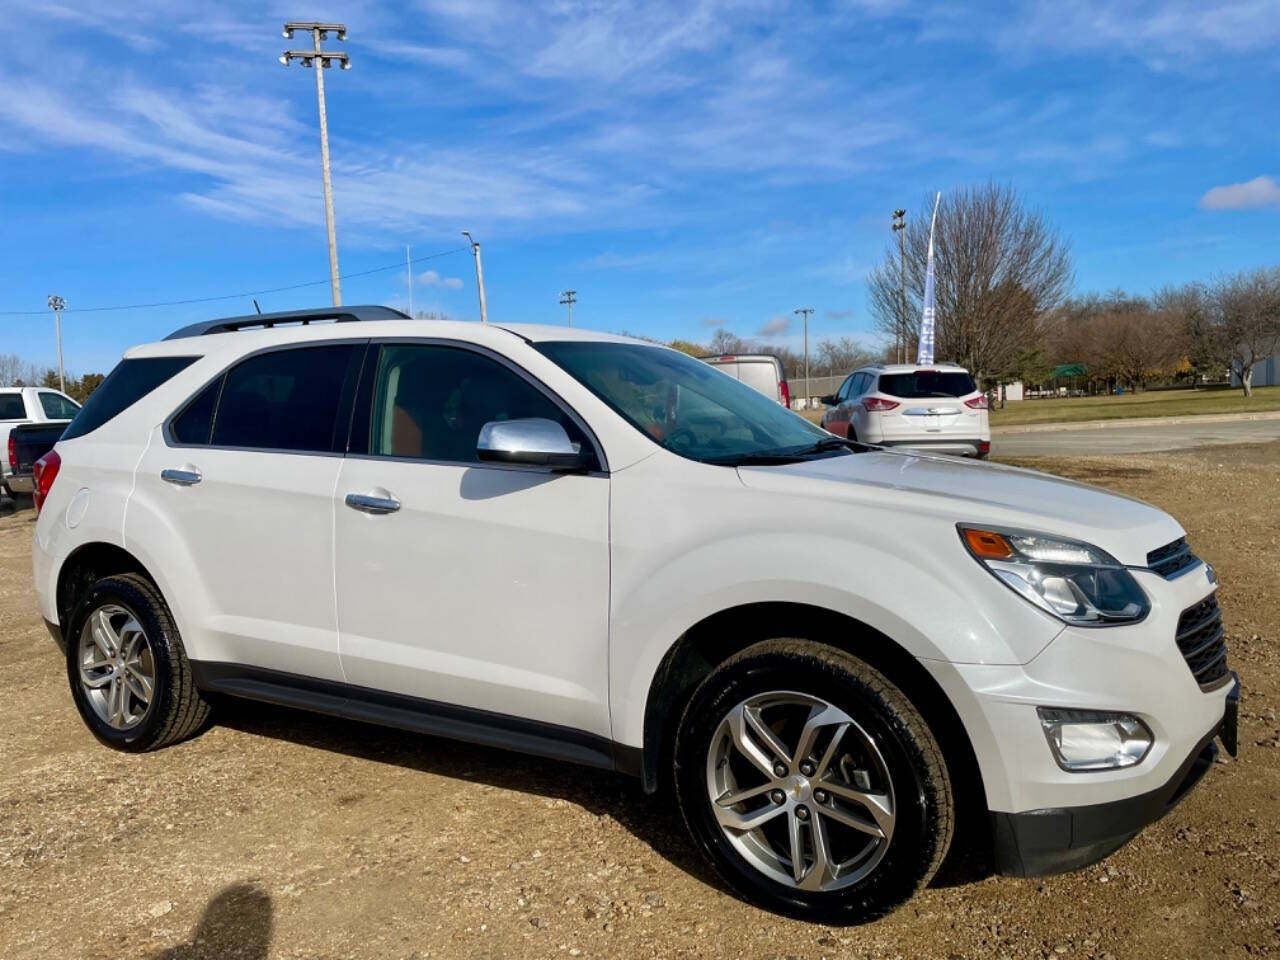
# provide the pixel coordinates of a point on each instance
(278, 834)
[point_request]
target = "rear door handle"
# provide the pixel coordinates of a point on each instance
(183, 478)
(369, 504)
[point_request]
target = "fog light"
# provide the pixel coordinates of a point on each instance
(1094, 740)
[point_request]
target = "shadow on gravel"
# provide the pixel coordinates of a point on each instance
(235, 923)
(655, 820)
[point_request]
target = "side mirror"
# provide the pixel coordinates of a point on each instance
(532, 441)
(829, 400)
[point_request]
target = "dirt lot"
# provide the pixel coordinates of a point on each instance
(279, 834)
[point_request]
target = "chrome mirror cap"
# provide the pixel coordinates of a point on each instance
(534, 441)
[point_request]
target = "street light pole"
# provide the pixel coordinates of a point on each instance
(475, 252)
(900, 228)
(309, 58)
(805, 311)
(569, 298)
(57, 305)
(408, 272)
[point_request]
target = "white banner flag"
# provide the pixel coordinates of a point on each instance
(925, 352)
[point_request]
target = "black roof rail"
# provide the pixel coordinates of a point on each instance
(268, 320)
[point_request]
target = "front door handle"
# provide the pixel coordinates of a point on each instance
(182, 478)
(369, 504)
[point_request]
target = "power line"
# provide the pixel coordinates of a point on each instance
(232, 296)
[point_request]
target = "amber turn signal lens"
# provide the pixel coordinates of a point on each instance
(987, 544)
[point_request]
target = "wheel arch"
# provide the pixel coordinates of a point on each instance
(717, 637)
(87, 564)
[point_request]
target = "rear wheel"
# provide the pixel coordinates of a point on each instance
(129, 673)
(812, 784)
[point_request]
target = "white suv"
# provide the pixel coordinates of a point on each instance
(604, 551)
(934, 407)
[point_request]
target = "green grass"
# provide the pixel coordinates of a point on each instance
(1162, 403)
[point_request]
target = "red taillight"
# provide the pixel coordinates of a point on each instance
(977, 403)
(984, 447)
(878, 404)
(43, 475)
(13, 454)
(786, 393)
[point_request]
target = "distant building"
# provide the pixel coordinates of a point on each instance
(1265, 374)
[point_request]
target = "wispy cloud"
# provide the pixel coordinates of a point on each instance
(1165, 34)
(430, 278)
(839, 314)
(1258, 192)
(775, 326)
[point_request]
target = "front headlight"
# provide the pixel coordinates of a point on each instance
(1075, 582)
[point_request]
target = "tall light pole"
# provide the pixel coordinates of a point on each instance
(57, 305)
(408, 272)
(568, 298)
(475, 252)
(805, 311)
(900, 228)
(308, 58)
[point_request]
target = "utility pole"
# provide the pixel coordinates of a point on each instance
(475, 252)
(57, 305)
(569, 298)
(900, 228)
(408, 272)
(309, 58)
(805, 311)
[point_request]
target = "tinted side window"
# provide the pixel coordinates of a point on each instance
(429, 402)
(12, 407)
(58, 407)
(195, 423)
(287, 399)
(843, 393)
(128, 383)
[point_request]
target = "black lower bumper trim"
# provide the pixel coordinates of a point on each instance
(55, 631)
(1057, 840)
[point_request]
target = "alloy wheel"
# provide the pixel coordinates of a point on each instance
(800, 790)
(117, 667)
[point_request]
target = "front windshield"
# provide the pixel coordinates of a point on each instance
(687, 406)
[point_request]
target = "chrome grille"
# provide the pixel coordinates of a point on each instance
(1201, 639)
(1171, 559)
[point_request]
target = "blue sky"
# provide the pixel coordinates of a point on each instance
(683, 165)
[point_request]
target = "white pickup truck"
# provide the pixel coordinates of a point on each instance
(20, 406)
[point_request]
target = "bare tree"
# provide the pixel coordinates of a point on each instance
(725, 341)
(1248, 320)
(837, 357)
(1192, 309)
(1231, 325)
(999, 269)
(14, 371)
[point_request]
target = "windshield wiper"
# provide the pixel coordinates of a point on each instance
(755, 459)
(793, 455)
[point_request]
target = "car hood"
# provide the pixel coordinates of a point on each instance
(968, 491)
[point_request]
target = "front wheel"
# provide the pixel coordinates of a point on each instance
(812, 784)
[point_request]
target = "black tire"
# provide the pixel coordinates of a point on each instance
(925, 809)
(176, 710)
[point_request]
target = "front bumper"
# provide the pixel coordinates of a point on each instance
(1056, 840)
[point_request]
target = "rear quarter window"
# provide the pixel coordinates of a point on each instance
(12, 407)
(128, 383)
